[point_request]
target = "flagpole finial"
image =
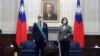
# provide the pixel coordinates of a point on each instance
(21, 1)
(78, 3)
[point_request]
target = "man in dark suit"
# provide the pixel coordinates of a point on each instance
(40, 34)
(49, 13)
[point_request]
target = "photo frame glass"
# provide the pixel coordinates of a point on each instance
(50, 10)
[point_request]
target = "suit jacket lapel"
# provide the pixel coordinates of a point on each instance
(66, 28)
(62, 28)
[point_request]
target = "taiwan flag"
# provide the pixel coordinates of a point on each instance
(21, 29)
(78, 35)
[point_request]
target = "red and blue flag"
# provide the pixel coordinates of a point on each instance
(21, 29)
(78, 35)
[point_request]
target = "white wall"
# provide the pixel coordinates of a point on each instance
(67, 9)
(0, 14)
(99, 14)
(9, 16)
(33, 8)
(90, 14)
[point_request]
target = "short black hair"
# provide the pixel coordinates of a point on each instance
(63, 20)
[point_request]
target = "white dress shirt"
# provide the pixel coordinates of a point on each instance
(41, 24)
(49, 15)
(64, 27)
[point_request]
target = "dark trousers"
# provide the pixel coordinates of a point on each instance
(40, 46)
(64, 45)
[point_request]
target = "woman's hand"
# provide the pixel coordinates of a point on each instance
(65, 36)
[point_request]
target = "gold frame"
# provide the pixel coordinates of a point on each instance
(58, 11)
